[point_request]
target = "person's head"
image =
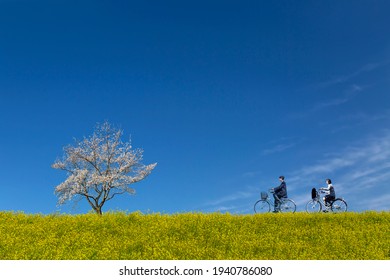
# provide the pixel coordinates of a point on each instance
(281, 178)
(328, 181)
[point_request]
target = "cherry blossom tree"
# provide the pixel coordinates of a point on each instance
(100, 167)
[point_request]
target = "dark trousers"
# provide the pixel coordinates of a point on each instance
(277, 201)
(329, 199)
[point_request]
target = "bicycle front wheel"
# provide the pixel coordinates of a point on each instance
(288, 206)
(313, 206)
(262, 206)
(339, 205)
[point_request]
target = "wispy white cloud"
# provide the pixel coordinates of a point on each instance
(278, 148)
(373, 151)
(280, 145)
(351, 121)
(379, 203)
(237, 202)
(355, 88)
(330, 103)
(351, 87)
(360, 117)
(346, 96)
(230, 198)
(343, 98)
(345, 78)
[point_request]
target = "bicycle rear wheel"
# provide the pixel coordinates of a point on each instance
(262, 206)
(288, 206)
(313, 206)
(339, 205)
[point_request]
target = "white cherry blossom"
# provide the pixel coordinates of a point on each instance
(100, 167)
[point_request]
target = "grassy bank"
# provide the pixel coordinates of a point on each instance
(115, 236)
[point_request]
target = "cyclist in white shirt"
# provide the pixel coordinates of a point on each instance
(331, 194)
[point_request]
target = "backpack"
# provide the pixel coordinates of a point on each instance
(314, 193)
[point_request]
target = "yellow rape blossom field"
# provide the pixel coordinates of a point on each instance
(195, 236)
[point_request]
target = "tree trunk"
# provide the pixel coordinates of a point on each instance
(98, 210)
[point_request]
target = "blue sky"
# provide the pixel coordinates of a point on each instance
(224, 95)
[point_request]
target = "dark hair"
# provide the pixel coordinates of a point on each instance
(329, 181)
(281, 177)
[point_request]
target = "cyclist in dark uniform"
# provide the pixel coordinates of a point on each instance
(279, 193)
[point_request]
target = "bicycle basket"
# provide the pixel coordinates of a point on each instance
(264, 195)
(314, 193)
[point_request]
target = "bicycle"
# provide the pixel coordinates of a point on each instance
(286, 205)
(338, 205)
